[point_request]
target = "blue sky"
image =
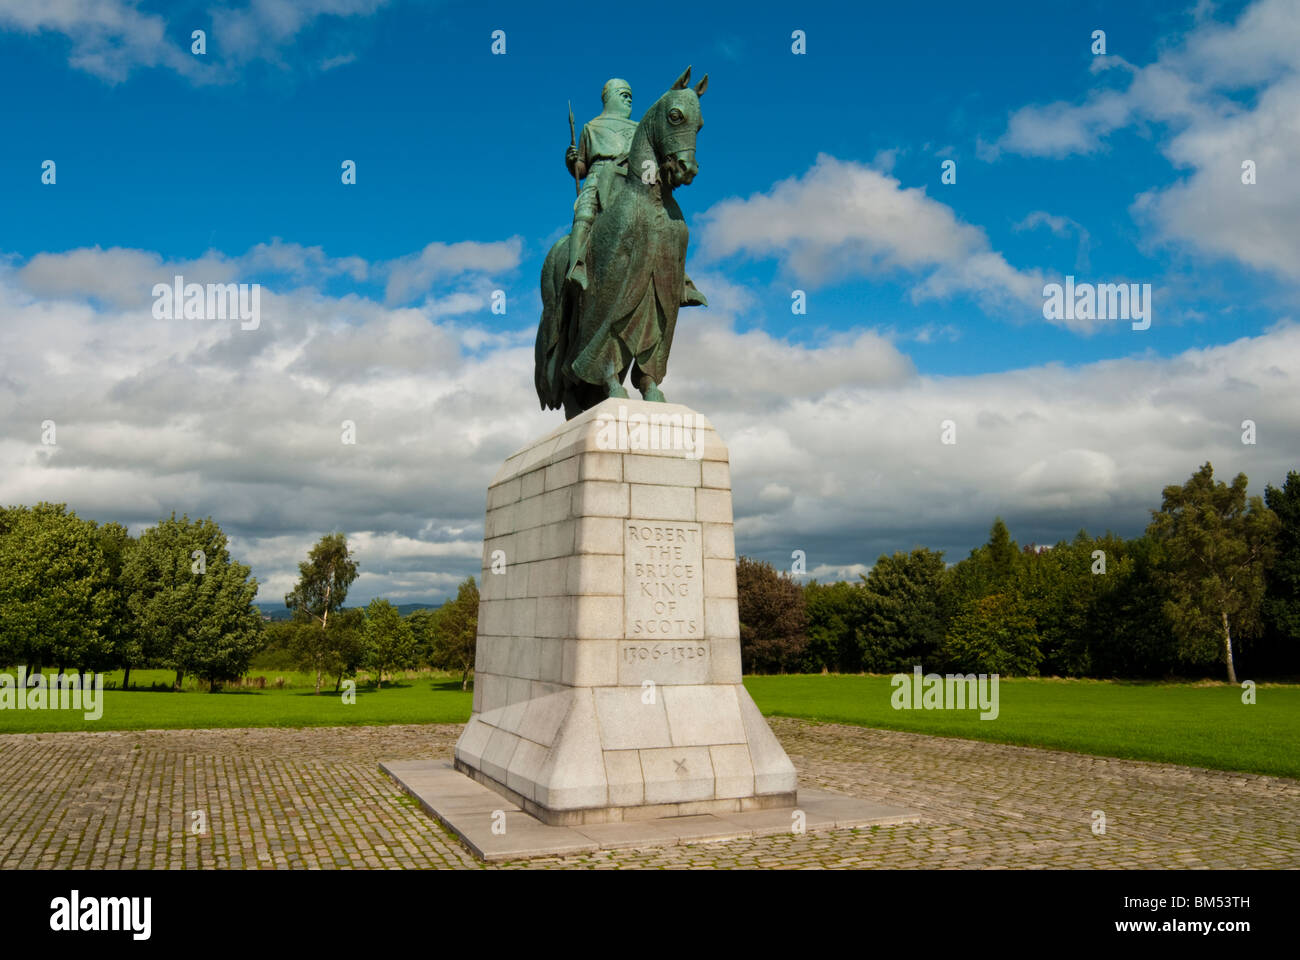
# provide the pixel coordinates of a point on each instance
(819, 172)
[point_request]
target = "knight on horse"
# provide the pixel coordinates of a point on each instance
(612, 287)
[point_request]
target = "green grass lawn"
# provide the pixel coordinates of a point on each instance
(1202, 725)
(422, 698)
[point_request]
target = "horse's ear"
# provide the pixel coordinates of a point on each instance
(682, 81)
(702, 86)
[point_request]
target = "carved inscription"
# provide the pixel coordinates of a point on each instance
(663, 587)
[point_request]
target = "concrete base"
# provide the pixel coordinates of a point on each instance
(471, 810)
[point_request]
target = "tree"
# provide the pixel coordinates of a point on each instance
(455, 632)
(421, 622)
(193, 604)
(996, 634)
(1282, 583)
(54, 588)
(347, 644)
(835, 615)
(903, 622)
(1217, 543)
(1001, 553)
(772, 617)
(125, 648)
(1062, 587)
(322, 587)
(987, 570)
(389, 641)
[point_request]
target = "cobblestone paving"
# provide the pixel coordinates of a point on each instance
(316, 798)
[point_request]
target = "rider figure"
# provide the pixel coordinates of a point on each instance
(601, 155)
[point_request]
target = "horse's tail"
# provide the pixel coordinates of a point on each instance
(552, 339)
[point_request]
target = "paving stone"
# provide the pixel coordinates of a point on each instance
(316, 797)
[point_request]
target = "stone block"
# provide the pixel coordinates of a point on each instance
(601, 535)
(599, 498)
(719, 541)
(715, 473)
(626, 722)
(651, 502)
(660, 471)
(701, 715)
(623, 773)
(677, 774)
(712, 506)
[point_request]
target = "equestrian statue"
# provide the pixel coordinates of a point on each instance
(611, 288)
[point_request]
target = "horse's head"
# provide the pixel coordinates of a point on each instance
(675, 119)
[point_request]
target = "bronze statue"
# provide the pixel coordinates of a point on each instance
(612, 288)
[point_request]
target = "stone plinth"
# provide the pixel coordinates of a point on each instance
(607, 679)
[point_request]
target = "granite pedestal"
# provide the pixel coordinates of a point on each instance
(607, 682)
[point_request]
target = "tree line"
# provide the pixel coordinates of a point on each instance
(88, 597)
(1210, 587)
(1212, 584)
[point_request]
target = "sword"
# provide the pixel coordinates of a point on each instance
(576, 189)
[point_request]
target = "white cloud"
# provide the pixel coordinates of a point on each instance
(842, 219)
(1222, 94)
(409, 276)
(111, 38)
(835, 447)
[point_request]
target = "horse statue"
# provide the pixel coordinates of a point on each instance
(636, 262)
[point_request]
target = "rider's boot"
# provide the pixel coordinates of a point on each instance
(691, 296)
(578, 253)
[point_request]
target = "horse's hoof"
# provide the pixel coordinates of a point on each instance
(617, 393)
(653, 394)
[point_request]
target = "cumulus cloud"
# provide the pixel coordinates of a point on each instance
(1223, 94)
(409, 276)
(842, 220)
(110, 39)
(835, 447)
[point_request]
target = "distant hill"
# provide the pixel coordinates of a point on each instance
(278, 611)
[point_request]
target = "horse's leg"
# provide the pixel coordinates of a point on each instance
(614, 388)
(649, 389)
(614, 376)
(572, 405)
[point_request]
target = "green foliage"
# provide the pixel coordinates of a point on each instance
(453, 632)
(773, 619)
(1216, 544)
(1001, 553)
(324, 579)
(390, 644)
(995, 635)
(335, 647)
(834, 624)
(1281, 607)
(192, 603)
(421, 623)
(55, 589)
(902, 622)
(123, 643)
